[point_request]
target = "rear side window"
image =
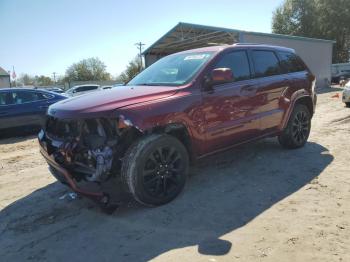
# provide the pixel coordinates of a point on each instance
(291, 62)
(265, 63)
(238, 62)
(20, 97)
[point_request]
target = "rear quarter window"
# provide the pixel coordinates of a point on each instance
(265, 63)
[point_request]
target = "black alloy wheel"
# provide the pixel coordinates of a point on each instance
(161, 171)
(155, 168)
(297, 132)
(300, 127)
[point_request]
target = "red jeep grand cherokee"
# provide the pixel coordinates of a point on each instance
(183, 107)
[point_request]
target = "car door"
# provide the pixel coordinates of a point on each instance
(41, 104)
(6, 110)
(230, 109)
(28, 108)
(271, 84)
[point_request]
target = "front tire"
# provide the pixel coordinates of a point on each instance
(347, 104)
(298, 128)
(154, 169)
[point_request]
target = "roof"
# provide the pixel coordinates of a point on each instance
(17, 88)
(293, 37)
(247, 45)
(254, 45)
(26, 89)
(3, 72)
(184, 36)
(189, 36)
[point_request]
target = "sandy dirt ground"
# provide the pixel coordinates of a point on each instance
(257, 202)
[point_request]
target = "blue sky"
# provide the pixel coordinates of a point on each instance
(41, 36)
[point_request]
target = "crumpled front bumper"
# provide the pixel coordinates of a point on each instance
(65, 176)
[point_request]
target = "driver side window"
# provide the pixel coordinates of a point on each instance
(21, 97)
(237, 61)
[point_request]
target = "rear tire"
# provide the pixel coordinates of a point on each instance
(298, 128)
(347, 104)
(154, 169)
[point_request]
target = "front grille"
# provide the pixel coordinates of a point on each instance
(61, 129)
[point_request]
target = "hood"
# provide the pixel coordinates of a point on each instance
(97, 103)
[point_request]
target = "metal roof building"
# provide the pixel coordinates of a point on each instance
(317, 53)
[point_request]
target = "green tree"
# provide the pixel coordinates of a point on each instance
(87, 70)
(43, 80)
(327, 19)
(132, 69)
(334, 23)
(26, 80)
(295, 17)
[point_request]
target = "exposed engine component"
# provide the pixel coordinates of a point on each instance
(87, 146)
(103, 159)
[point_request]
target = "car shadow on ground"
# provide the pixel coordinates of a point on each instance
(16, 135)
(223, 193)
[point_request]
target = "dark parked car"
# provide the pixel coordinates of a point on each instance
(24, 107)
(55, 90)
(183, 107)
(82, 89)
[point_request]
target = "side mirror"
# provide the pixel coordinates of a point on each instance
(221, 75)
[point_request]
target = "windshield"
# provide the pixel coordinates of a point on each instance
(172, 70)
(70, 90)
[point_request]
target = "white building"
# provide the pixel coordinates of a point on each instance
(316, 53)
(4, 78)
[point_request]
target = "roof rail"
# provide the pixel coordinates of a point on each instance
(248, 44)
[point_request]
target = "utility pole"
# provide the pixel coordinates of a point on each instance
(9, 72)
(54, 77)
(139, 47)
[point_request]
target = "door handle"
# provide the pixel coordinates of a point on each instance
(248, 91)
(43, 107)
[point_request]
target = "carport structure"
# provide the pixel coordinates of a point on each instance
(317, 53)
(185, 36)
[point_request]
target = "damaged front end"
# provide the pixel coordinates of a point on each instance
(81, 152)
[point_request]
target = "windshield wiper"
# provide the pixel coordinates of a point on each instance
(145, 84)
